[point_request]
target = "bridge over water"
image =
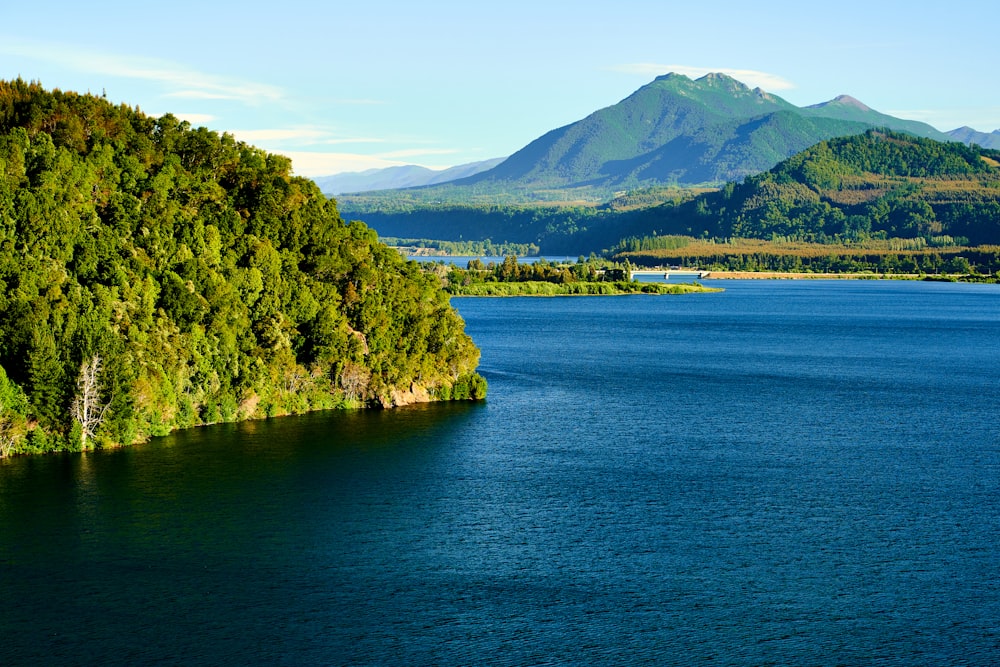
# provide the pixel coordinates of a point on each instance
(671, 273)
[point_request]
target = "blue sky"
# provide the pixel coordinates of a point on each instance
(349, 86)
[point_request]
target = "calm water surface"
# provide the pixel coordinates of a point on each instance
(793, 473)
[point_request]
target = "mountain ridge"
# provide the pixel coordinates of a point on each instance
(967, 135)
(707, 129)
(396, 177)
(879, 184)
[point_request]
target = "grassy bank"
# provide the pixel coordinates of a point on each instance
(541, 288)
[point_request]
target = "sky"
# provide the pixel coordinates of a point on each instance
(348, 86)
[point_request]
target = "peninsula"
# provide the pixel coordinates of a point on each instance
(156, 276)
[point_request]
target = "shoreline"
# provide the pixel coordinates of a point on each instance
(792, 275)
(547, 289)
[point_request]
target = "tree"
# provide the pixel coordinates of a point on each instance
(88, 408)
(354, 380)
(13, 411)
(46, 381)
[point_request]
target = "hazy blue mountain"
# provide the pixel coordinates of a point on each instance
(967, 135)
(391, 178)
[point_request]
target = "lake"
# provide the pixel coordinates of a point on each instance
(788, 472)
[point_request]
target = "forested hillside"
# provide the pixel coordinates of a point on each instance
(156, 276)
(877, 185)
(882, 184)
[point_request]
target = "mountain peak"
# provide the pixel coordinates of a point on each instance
(968, 135)
(670, 76)
(716, 76)
(722, 80)
(711, 79)
(843, 100)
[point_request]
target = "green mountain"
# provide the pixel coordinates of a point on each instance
(878, 184)
(845, 107)
(675, 130)
(155, 276)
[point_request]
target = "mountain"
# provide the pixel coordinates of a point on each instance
(391, 178)
(877, 184)
(683, 131)
(969, 136)
(845, 107)
(874, 186)
(154, 276)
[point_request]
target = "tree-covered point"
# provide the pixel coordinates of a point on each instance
(155, 276)
(585, 277)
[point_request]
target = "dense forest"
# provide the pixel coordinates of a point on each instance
(896, 257)
(155, 276)
(555, 229)
(879, 184)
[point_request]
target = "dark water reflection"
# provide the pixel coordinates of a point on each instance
(786, 473)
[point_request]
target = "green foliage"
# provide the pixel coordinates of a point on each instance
(484, 248)
(893, 256)
(469, 386)
(14, 411)
(511, 278)
(635, 244)
(212, 283)
(876, 185)
(541, 229)
(600, 288)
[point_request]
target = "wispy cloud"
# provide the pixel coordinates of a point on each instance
(180, 80)
(308, 135)
(195, 118)
(304, 136)
(357, 102)
(311, 164)
(355, 140)
(765, 80)
(416, 152)
(198, 95)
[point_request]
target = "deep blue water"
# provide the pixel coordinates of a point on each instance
(790, 473)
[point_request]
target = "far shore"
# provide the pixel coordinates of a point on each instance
(792, 275)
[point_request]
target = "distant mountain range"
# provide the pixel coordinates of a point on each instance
(677, 130)
(674, 130)
(392, 178)
(969, 136)
(879, 184)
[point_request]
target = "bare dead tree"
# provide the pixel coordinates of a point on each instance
(354, 380)
(7, 436)
(88, 408)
